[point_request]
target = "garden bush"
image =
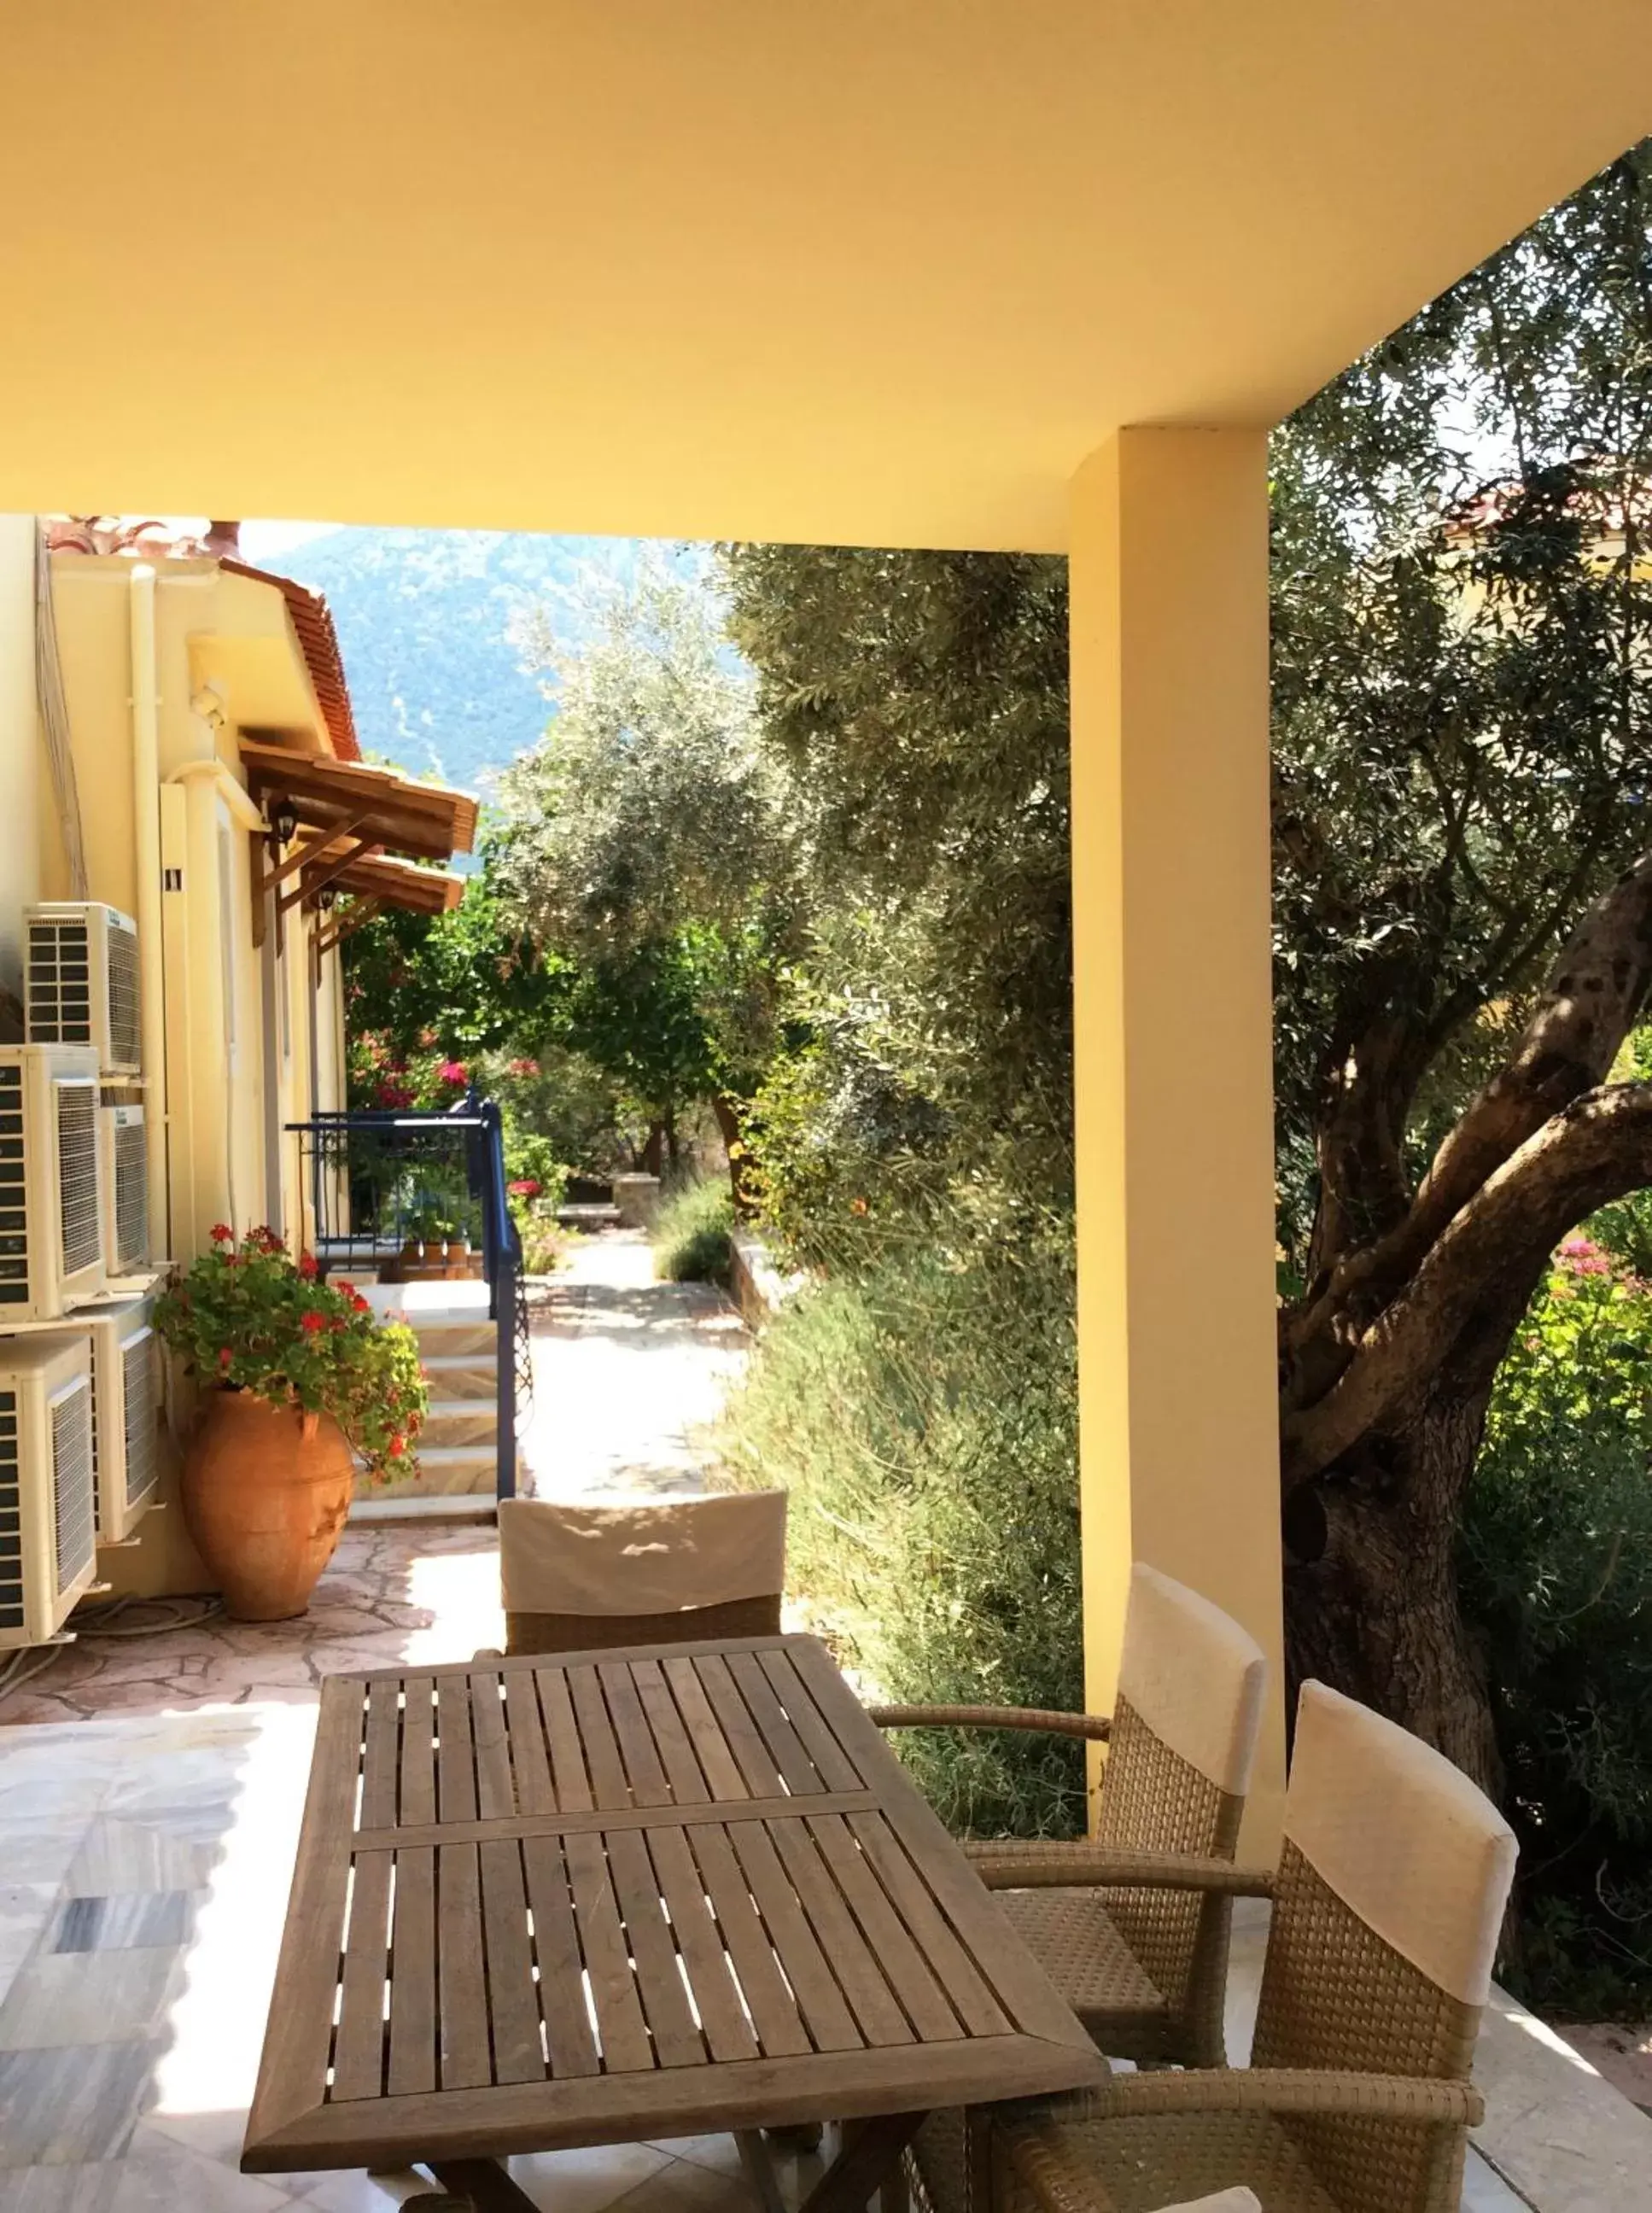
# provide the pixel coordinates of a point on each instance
(1556, 1581)
(693, 1237)
(921, 1410)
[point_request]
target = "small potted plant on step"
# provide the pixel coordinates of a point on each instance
(297, 1377)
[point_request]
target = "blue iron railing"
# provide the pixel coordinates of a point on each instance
(384, 1184)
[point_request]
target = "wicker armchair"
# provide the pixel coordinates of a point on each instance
(1390, 1892)
(1140, 1954)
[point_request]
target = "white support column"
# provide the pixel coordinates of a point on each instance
(1174, 1072)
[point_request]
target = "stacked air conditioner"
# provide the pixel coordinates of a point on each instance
(78, 1433)
(81, 991)
(48, 1511)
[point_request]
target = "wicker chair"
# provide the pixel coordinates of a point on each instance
(1390, 1892)
(592, 1574)
(1143, 1968)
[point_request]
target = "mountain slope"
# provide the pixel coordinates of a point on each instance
(425, 618)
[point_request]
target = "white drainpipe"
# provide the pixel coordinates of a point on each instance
(146, 814)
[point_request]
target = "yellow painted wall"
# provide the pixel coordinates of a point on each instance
(1173, 1068)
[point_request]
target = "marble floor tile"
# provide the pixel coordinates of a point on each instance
(352, 2190)
(143, 1854)
(76, 2104)
(80, 1998)
(89, 2188)
(163, 2176)
(42, 1851)
(589, 2181)
(684, 2187)
(126, 1921)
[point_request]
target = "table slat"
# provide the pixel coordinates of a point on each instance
(571, 1783)
(460, 1979)
(710, 1746)
(413, 1982)
(670, 1733)
(417, 1750)
(647, 1777)
(556, 1943)
(724, 2021)
(838, 1770)
(496, 1789)
(774, 2010)
(382, 1756)
(976, 2006)
(908, 1973)
(741, 1732)
(513, 1995)
(598, 1741)
(859, 1977)
(455, 1762)
(819, 1999)
(358, 2045)
(622, 2033)
(677, 2042)
(525, 1732)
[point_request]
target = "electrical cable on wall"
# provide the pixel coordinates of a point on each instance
(54, 718)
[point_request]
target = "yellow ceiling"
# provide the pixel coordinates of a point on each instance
(871, 270)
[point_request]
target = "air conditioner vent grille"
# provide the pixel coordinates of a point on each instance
(77, 1171)
(59, 981)
(137, 1376)
(13, 1193)
(131, 1175)
(125, 1025)
(11, 1516)
(73, 1493)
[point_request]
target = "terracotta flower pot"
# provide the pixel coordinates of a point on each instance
(265, 1489)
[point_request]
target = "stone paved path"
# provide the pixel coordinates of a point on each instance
(627, 1372)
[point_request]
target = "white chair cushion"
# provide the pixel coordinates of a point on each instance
(1194, 1676)
(625, 1555)
(1404, 1839)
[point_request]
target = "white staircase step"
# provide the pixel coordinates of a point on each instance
(471, 1422)
(461, 1375)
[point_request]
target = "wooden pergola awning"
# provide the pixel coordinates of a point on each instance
(354, 831)
(389, 812)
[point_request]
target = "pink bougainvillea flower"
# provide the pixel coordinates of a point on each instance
(452, 1071)
(523, 1068)
(528, 1187)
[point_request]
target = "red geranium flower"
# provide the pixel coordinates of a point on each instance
(307, 1265)
(311, 1322)
(225, 1356)
(221, 1233)
(528, 1187)
(397, 1446)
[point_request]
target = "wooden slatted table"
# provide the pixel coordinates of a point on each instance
(607, 1897)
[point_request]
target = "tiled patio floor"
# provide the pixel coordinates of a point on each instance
(395, 1592)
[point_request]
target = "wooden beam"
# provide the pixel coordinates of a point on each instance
(310, 887)
(310, 847)
(362, 910)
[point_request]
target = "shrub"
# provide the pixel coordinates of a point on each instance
(922, 1412)
(1557, 1578)
(693, 1237)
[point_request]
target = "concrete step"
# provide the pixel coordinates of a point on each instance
(461, 1375)
(446, 1338)
(444, 1470)
(460, 1421)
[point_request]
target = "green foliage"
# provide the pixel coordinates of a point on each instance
(922, 1412)
(1461, 613)
(693, 1237)
(247, 1317)
(1557, 1569)
(645, 839)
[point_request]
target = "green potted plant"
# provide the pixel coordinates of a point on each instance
(298, 1377)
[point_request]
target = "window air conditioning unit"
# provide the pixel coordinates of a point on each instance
(48, 1536)
(124, 1404)
(82, 983)
(126, 1171)
(51, 1187)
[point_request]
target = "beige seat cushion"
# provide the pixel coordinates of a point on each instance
(629, 1556)
(1225, 2201)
